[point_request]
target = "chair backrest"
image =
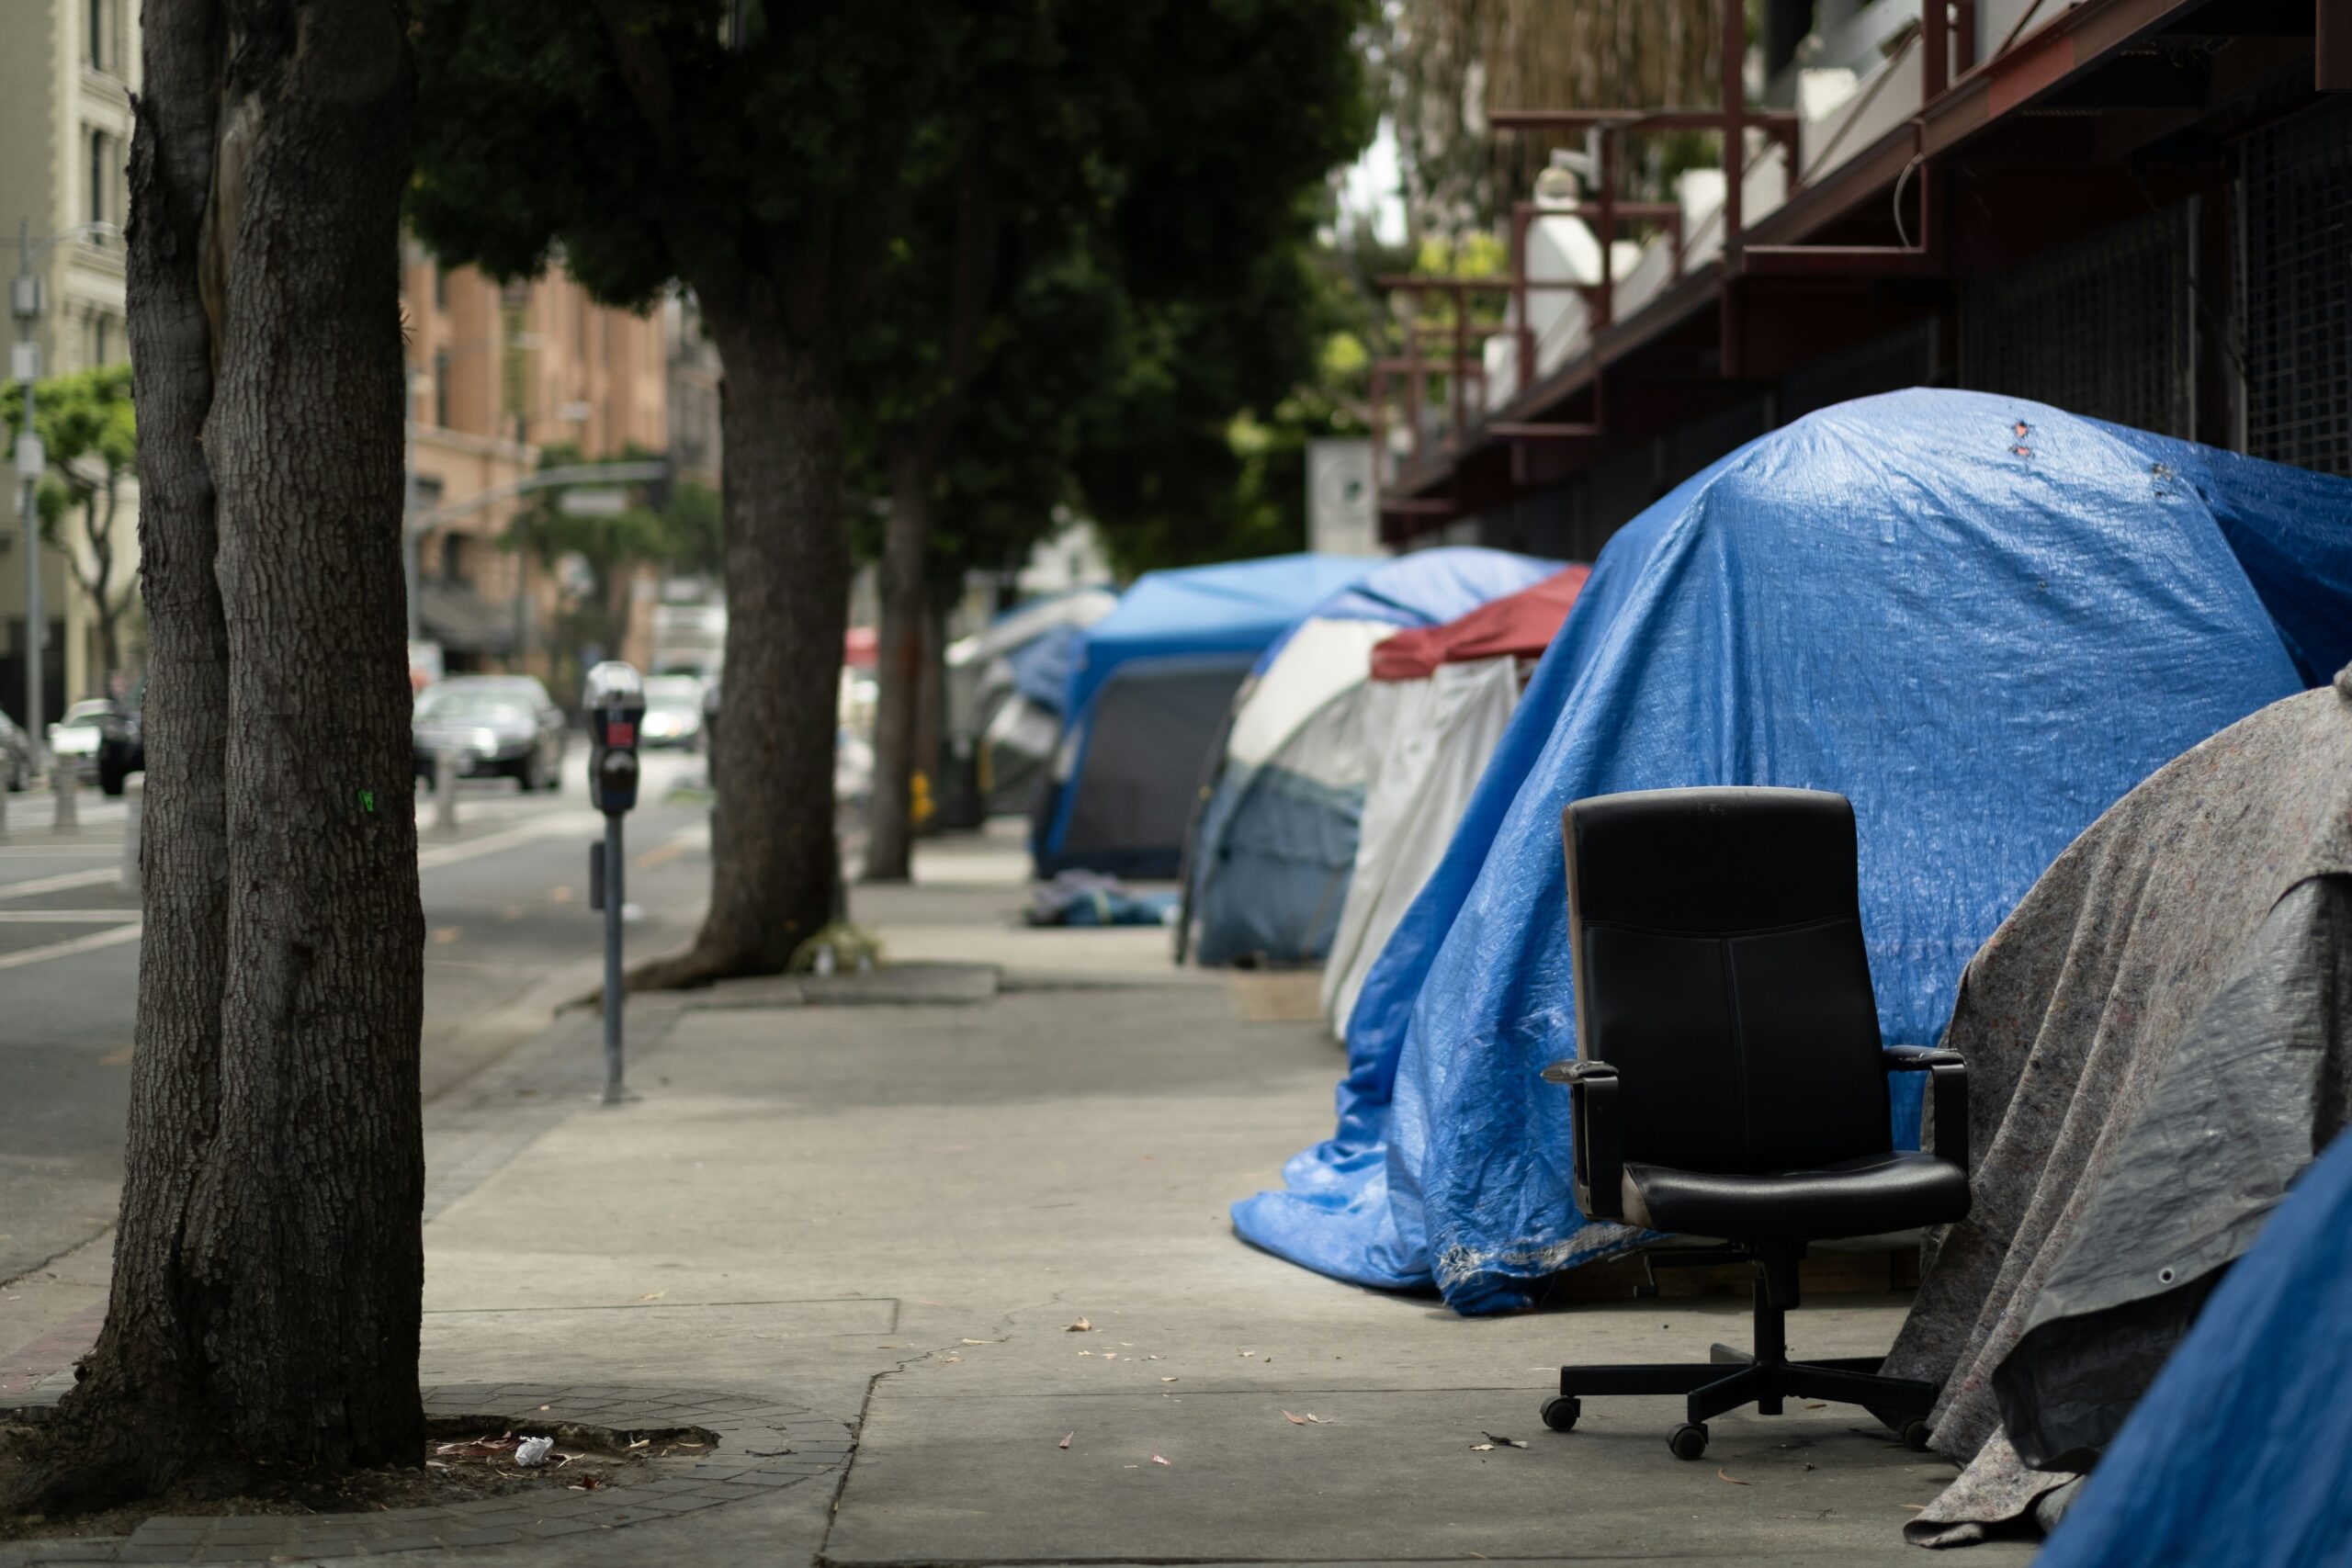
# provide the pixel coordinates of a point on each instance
(1717, 940)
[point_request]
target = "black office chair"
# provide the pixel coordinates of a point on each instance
(1730, 1082)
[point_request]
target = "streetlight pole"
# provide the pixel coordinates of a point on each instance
(25, 303)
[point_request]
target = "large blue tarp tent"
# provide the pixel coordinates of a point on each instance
(1268, 862)
(1149, 686)
(1981, 618)
(2237, 1457)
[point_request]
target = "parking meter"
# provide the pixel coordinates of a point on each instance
(616, 704)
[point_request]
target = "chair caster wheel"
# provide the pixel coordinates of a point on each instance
(1560, 1413)
(1914, 1434)
(1690, 1440)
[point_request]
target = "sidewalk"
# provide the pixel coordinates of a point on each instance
(878, 1224)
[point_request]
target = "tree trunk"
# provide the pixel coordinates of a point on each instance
(774, 862)
(906, 606)
(268, 1263)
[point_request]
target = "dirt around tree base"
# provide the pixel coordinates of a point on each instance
(465, 1458)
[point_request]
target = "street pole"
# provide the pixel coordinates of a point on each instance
(27, 303)
(615, 1093)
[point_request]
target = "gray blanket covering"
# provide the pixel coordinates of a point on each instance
(2158, 1040)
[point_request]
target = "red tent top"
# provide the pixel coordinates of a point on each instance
(1523, 624)
(861, 647)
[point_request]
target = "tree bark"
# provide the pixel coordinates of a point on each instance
(906, 606)
(774, 862)
(268, 1264)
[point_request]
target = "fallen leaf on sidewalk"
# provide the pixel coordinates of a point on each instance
(1246, 1354)
(1168, 1380)
(1735, 1479)
(1482, 1448)
(1315, 1420)
(1081, 1327)
(1086, 1352)
(1064, 1442)
(1507, 1442)
(1294, 1420)
(1156, 1460)
(1815, 1404)
(652, 1295)
(975, 1341)
(1915, 1508)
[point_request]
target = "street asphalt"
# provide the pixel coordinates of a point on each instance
(509, 935)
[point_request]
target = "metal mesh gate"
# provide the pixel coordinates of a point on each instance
(2295, 289)
(2102, 326)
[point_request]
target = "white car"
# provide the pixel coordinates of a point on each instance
(74, 740)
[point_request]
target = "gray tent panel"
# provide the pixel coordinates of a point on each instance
(1156, 723)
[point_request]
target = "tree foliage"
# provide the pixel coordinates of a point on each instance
(91, 440)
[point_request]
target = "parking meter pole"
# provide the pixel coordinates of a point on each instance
(616, 704)
(614, 1093)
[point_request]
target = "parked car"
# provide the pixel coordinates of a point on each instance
(121, 750)
(672, 712)
(495, 725)
(73, 739)
(16, 755)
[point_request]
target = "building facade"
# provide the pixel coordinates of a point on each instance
(66, 77)
(497, 374)
(2139, 211)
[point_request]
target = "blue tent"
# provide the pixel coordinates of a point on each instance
(1270, 861)
(2238, 1454)
(1041, 667)
(1149, 687)
(1981, 618)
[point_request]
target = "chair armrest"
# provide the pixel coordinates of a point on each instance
(1599, 1160)
(1948, 1083)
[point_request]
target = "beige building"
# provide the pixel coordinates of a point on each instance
(67, 71)
(496, 373)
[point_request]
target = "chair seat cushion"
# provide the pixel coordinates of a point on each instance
(1888, 1192)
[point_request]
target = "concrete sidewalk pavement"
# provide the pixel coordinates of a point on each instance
(956, 1234)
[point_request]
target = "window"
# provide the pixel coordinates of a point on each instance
(453, 557)
(441, 388)
(440, 286)
(99, 53)
(101, 175)
(100, 346)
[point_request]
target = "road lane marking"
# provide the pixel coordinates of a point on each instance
(512, 837)
(111, 938)
(60, 883)
(662, 854)
(65, 916)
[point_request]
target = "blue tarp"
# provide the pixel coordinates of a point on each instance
(1424, 588)
(1042, 666)
(1175, 619)
(1233, 606)
(1270, 860)
(2238, 1455)
(1982, 636)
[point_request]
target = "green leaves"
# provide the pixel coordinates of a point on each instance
(92, 436)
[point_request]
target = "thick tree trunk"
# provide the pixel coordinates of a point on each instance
(773, 861)
(268, 1264)
(906, 606)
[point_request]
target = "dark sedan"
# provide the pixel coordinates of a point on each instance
(492, 725)
(122, 746)
(16, 755)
